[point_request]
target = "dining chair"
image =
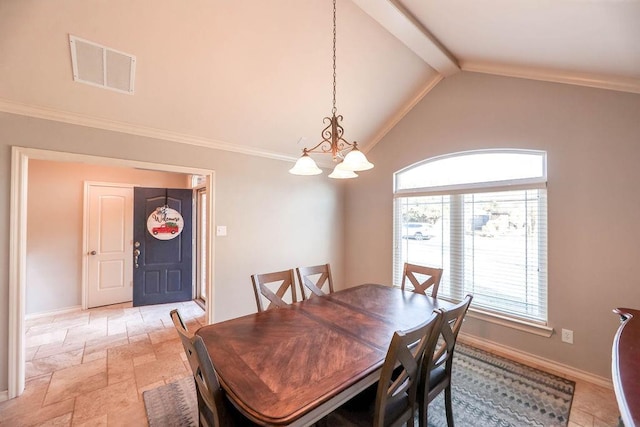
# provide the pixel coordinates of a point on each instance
(187, 343)
(314, 279)
(185, 338)
(214, 408)
(285, 283)
(396, 391)
(436, 370)
(422, 278)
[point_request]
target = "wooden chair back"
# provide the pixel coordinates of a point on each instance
(185, 338)
(401, 372)
(285, 283)
(436, 371)
(212, 406)
(315, 279)
(414, 271)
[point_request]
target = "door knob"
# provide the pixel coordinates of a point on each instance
(92, 253)
(136, 254)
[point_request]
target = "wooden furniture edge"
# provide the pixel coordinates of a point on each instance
(628, 403)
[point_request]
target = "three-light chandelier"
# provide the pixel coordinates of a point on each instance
(333, 141)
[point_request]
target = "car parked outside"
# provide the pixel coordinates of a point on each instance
(416, 230)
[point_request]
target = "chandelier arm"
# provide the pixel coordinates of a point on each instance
(332, 138)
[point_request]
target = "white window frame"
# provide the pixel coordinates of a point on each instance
(534, 182)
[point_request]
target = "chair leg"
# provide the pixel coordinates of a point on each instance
(422, 413)
(447, 404)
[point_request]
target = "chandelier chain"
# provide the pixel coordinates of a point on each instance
(332, 139)
(334, 110)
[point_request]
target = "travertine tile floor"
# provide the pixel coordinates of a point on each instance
(90, 368)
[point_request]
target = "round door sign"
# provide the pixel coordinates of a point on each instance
(165, 223)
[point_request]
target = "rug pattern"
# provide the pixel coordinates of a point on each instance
(487, 390)
(174, 404)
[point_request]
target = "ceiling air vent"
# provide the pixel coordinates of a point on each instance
(101, 66)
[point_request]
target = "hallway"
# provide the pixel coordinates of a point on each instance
(91, 367)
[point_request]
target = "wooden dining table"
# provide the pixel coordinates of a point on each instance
(294, 365)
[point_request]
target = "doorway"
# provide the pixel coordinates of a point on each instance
(123, 259)
(108, 232)
(17, 241)
(163, 255)
(202, 272)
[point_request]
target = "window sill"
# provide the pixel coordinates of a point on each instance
(497, 319)
(521, 325)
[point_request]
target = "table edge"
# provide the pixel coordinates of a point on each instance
(630, 319)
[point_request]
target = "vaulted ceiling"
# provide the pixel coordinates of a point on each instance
(255, 76)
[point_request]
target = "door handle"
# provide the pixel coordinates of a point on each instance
(136, 254)
(92, 253)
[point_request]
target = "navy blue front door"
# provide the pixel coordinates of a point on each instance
(162, 271)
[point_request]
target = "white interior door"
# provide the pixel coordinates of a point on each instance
(109, 237)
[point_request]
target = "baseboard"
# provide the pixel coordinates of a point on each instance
(4, 395)
(53, 312)
(525, 358)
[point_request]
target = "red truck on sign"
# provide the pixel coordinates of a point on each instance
(165, 228)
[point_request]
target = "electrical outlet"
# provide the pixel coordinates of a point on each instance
(567, 336)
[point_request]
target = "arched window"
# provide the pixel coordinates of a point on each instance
(482, 217)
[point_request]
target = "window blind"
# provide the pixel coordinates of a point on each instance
(492, 245)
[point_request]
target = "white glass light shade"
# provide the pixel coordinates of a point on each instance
(339, 172)
(355, 160)
(305, 166)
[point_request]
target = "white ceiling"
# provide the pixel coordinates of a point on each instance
(579, 36)
(255, 75)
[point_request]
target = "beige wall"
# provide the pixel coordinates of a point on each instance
(54, 226)
(275, 220)
(593, 142)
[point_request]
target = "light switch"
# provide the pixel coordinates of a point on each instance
(221, 230)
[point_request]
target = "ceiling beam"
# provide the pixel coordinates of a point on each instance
(396, 19)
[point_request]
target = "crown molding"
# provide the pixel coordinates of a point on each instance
(47, 113)
(399, 115)
(620, 84)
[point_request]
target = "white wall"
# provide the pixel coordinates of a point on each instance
(593, 142)
(55, 230)
(275, 220)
